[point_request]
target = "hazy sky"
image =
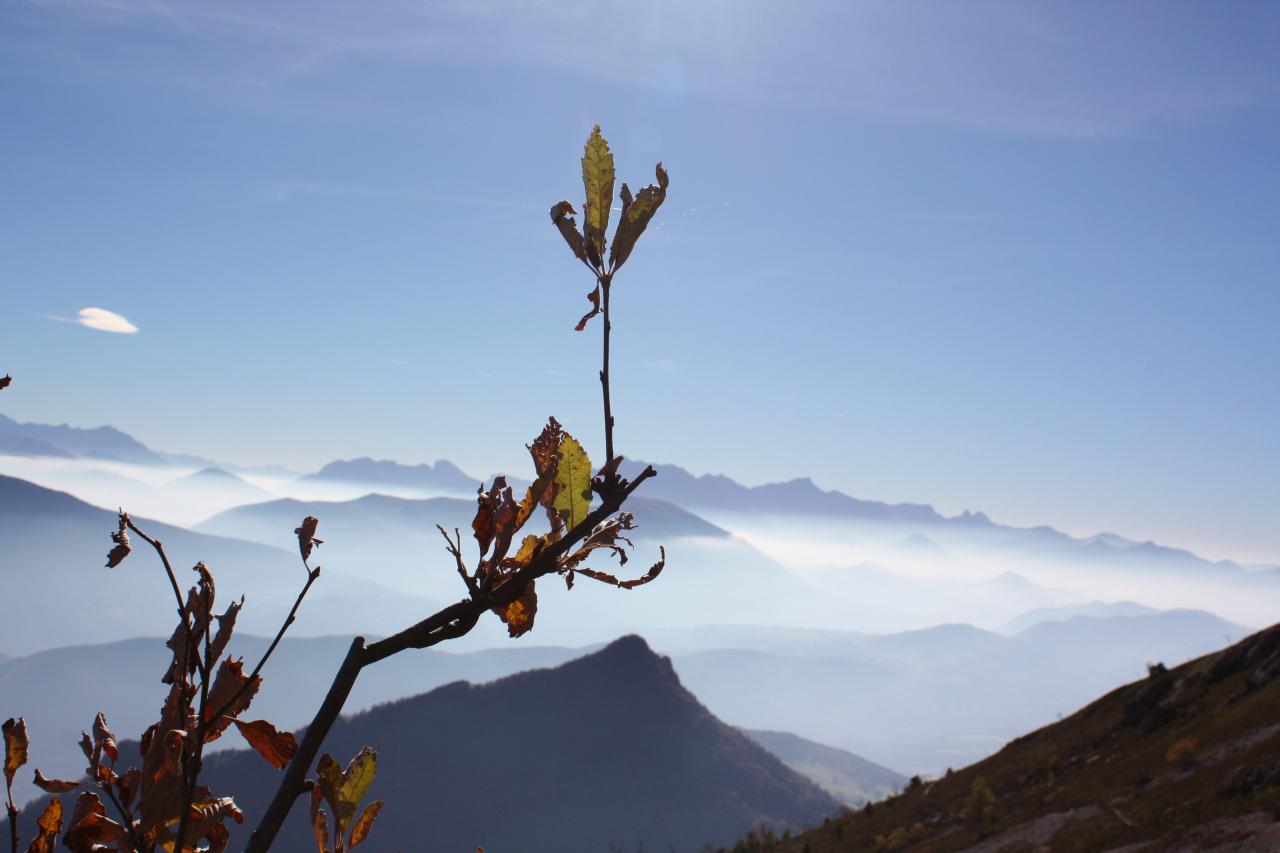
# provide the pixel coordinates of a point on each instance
(1011, 256)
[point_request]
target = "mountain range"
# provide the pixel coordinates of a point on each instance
(54, 552)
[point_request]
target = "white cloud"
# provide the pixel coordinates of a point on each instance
(105, 321)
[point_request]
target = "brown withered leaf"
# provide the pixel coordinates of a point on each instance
(218, 837)
(120, 537)
(206, 819)
(127, 786)
(90, 830)
(546, 447)
(227, 685)
(606, 536)
(226, 625)
(495, 521)
(636, 214)
(54, 786)
(307, 536)
(364, 824)
(15, 746)
(275, 746)
(594, 298)
(518, 615)
(561, 218)
(482, 526)
(610, 469)
(86, 745)
(328, 778)
(5, 381)
(160, 786)
(48, 826)
(104, 741)
(319, 822)
(185, 640)
(654, 571)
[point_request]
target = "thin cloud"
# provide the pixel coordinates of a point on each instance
(105, 321)
(100, 319)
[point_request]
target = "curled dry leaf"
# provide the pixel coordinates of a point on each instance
(275, 746)
(48, 827)
(307, 536)
(594, 298)
(561, 218)
(90, 830)
(121, 548)
(364, 824)
(127, 786)
(104, 741)
(54, 786)
(494, 523)
(15, 746)
(635, 217)
(229, 684)
(319, 822)
(226, 625)
(5, 381)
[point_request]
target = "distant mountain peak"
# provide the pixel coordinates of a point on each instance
(443, 475)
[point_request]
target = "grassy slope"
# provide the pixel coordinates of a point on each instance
(1104, 778)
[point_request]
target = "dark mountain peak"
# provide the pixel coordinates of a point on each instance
(599, 751)
(630, 658)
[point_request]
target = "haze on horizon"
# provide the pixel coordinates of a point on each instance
(1013, 257)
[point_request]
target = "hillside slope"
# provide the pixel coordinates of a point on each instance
(1185, 760)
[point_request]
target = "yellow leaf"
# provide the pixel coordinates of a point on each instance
(573, 478)
(356, 780)
(597, 180)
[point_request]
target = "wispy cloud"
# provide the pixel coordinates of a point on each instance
(100, 319)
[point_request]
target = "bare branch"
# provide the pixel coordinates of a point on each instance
(451, 622)
(455, 548)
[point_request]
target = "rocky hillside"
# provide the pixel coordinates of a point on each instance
(1187, 759)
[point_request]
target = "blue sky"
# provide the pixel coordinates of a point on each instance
(1011, 256)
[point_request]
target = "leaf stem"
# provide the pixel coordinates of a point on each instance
(13, 818)
(605, 281)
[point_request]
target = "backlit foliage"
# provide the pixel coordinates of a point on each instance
(162, 805)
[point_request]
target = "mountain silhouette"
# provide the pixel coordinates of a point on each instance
(606, 749)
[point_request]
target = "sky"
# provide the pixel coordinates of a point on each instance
(1009, 256)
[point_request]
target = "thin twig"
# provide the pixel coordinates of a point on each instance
(312, 575)
(173, 579)
(126, 816)
(13, 818)
(456, 550)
